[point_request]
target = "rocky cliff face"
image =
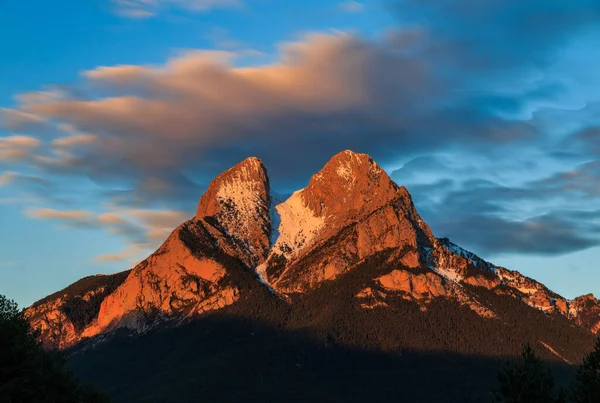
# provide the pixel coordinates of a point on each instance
(350, 212)
(585, 310)
(178, 280)
(62, 316)
(237, 204)
(188, 274)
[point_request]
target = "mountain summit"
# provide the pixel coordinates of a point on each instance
(354, 202)
(237, 202)
(347, 250)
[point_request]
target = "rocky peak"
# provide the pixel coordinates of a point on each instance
(586, 297)
(237, 203)
(348, 187)
(350, 200)
(585, 310)
(348, 184)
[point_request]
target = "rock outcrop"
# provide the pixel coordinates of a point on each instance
(585, 311)
(62, 316)
(188, 274)
(237, 204)
(350, 210)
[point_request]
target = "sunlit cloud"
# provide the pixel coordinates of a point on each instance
(13, 148)
(143, 230)
(149, 137)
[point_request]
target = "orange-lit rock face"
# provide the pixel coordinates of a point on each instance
(171, 281)
(348, 186)
(531, 292)
(418, 286)
(56, 330)
(175, 281)
(585, 310)
(349, 211)
(482, 281)
(386, 228)
(57, 317)
(237, 203)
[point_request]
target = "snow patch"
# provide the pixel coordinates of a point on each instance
(475, 260)
(439, 266)
(299, 225)
(276, 200)
(448, 274)
(240, 198)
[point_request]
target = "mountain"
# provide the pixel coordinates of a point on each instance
(346, 264)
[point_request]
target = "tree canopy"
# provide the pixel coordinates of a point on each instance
(31, 374)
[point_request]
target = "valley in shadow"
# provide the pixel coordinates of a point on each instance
(224, 358)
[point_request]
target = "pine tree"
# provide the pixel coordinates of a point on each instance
(586, 386)
(30, 374)
(527, 381)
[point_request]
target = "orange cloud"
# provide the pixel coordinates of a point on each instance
(143, 229)
(15, 148)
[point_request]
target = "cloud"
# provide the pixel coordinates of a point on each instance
(452, 80)
(22, 188)
(222, 39)
(419, 166)
(547, 216)
(200, 113)
(502, 33)
(74, 141)
(552, 234)
(141, 9)
(14, 148)
(12, 118)
(143, 230)
(352, 7)
(73, 218)
(128, 253)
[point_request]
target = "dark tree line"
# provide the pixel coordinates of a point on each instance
(28, 372)
(529, 381)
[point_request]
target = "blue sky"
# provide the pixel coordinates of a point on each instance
(116, 114)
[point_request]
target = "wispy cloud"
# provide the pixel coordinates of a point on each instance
(352, 7)
(140, 9)
(15, 148)
(151, 136)
(143, 230)
(72, 217)
(128, 253)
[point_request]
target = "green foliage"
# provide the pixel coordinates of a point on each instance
(527, 381)
(586, 385)
(28, 373)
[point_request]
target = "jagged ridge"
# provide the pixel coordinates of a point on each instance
(349, 212)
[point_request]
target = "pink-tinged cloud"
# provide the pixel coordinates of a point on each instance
(128, 253)
(199, 102)
(13, 118)
(142, 229)
(74, 141)
(14, 148)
